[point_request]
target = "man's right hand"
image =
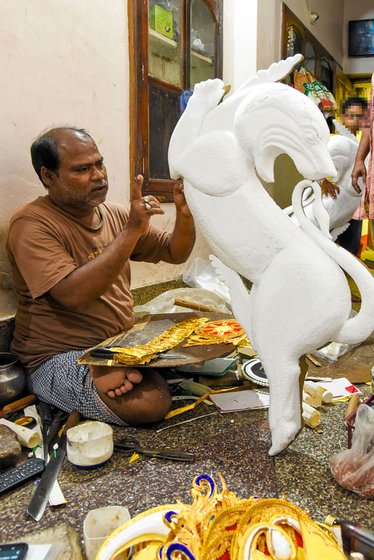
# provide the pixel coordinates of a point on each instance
(359, 170)
(142, 208)
(329, 189)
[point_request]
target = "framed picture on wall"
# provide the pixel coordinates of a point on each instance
(361, 37)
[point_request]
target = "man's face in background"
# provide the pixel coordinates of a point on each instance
(354, 118)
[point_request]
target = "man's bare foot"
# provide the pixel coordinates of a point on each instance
(115, 381)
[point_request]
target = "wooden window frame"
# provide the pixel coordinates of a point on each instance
(139, 114)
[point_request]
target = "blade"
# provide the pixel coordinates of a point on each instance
(168, 454)
(54, 428)
(158, 453)
(46, 416)
(43, 490)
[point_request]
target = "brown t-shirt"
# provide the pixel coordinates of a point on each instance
(45, 244)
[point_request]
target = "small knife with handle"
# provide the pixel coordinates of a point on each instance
(58, 420)
(45, 412)
(131, 444)
(43, 490)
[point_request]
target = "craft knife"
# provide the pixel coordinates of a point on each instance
(58, 420)
(109, 353)
(43, 490)
(46, 417)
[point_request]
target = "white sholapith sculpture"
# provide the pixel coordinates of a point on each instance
(342, 148)
(300, 299)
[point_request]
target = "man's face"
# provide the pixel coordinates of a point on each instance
(81, 182)
(354, 118)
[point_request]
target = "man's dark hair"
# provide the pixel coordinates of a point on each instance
(352, 101)
(44, 150)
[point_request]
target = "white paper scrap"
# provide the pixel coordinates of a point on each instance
(234, 401)
(340, 387)
(44, 551)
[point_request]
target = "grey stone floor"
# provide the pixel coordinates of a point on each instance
(235, 445)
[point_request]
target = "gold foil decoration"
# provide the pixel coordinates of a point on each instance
(219, 525)
(191, 524)
(218, 332)
(144, 353)
(304, 538)
(185, 408)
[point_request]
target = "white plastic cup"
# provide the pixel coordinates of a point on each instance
(99, 524)
(89, 444)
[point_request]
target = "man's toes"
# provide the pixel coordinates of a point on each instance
(134, 376)
(124, 388)
(121, 390)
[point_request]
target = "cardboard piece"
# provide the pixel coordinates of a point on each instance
(241, 400)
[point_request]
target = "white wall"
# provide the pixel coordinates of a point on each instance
(269, 36)
(239, 41)
(63, 62)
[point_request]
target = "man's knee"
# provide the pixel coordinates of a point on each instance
(151, 408)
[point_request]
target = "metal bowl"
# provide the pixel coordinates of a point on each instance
(12, 378)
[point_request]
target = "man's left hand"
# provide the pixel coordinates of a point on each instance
(180, 201)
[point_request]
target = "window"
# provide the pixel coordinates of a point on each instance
(175, 44)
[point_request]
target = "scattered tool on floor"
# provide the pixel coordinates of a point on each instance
(132, 444)
(27, 421)
(40, 497)
(186, 421)
(17, 405)
(45, 412)
(20, 403)
(59, 419)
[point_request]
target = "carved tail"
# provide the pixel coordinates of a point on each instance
(357, 329)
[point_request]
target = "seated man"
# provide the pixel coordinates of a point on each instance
(70, 251)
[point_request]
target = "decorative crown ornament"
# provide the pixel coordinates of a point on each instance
(218, 525)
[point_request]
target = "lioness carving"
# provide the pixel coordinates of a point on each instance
(300, 299)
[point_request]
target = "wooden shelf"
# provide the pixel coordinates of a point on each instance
(155, 38)
(202, 57)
